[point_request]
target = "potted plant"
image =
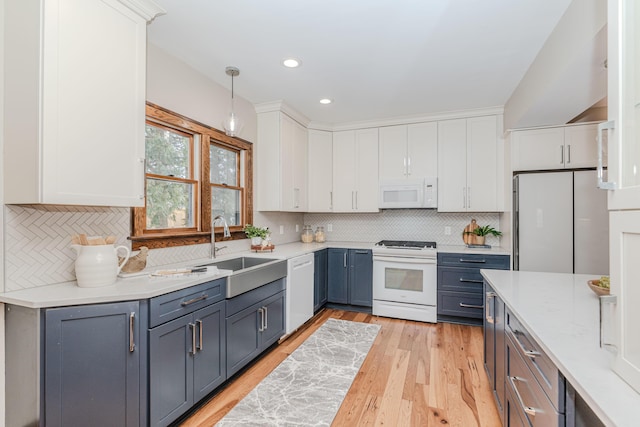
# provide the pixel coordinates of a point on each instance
(256, 234)
(481, 232)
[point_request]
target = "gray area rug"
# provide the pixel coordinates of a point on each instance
(308, 387)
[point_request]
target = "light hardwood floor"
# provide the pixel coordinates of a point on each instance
(416, 374)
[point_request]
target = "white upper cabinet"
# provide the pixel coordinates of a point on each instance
(75, 101)
(355, 171)
(282, 163)
(558, 147)
(468, 168)
(320, 171)
(408, 151)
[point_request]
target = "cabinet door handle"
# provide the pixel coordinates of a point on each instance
(463, 280)
(331, 200)
(561, 154)
(352, 204)
(468, 197)
(527, 409)
(488, 315)
(345, 260)
(191, 301)
(473, 261)
(266, 317)
(199, 323)
(568, 153)
(529, 353)
(132, 340)
(464, 197)
(463, 305)
(409, 166)
(192, 326)
(606, 300)
(604, 185)
(404, 164)
(356, 200)
(261, 311)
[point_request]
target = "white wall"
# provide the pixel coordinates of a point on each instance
(2, 363)
(568, 75)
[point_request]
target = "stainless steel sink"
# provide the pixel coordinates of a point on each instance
(250, 273)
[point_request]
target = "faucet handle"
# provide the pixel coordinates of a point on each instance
(220, 248)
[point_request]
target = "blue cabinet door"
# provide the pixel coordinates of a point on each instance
(243, 338)
(274, 321)
(320, 279)
(360, 277)
(92, 365)
(338, 276)
(209, 362)
(171, 370)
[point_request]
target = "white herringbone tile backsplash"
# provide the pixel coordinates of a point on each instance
(38, 237)
(401, 224)
(38, 240)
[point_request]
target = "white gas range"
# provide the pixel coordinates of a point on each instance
(405, 280)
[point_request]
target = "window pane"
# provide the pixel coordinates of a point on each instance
(169, 204)
(224, 166)
(226, 202)
(167, 152)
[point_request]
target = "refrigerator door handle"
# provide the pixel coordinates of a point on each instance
(605, 185)
(516, 228)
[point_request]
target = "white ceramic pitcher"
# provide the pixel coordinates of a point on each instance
(98, 265)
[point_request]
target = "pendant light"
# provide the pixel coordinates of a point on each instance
(232, 124)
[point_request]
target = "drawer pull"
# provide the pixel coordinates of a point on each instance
(527, 409)
(470, 280)
(191, 301)
(463, 305)
(529, 353)
(474, 261)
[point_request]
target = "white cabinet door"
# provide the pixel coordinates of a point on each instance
(299, 165)
(422, 150)
(482, 164)
(355, 171)
(366, 191)
(452, 165)
(538, 149)
(580, 149)
(393, 152)
(320, 179)
(75, 80)
(287, 144)
(344, 174)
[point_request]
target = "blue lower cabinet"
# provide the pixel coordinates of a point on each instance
(350, 276)
(255, 321)
(92, 365)
(320, 282)
(187, 359)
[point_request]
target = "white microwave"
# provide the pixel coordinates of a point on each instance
(408, 193)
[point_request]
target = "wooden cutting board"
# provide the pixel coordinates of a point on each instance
(470, 239)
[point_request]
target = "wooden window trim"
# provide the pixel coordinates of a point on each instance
(208, 135)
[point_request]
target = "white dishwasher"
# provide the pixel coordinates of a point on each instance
(299, 291)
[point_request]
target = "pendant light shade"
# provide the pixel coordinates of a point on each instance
(232, 124)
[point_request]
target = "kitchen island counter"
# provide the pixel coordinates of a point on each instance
(562, 315)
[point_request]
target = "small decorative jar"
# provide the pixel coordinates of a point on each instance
(307, 234)
(320, 235)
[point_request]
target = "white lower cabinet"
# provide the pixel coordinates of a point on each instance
(75, 74)
(355, 171)
(468, 167)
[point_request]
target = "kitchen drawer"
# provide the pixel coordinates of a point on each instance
(543, 369)
(499, 262)
(175, 304)
(462, 304)
(460, 279)
(247, 299)
(530, 399)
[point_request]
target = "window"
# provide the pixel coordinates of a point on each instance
(193, 173)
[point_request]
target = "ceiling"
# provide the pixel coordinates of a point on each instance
(376, 59)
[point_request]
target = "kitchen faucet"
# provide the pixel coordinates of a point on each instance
(225, 234)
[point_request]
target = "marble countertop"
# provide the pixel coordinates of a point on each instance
(562, 314)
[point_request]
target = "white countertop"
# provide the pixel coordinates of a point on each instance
(562, 314)
(461, 249)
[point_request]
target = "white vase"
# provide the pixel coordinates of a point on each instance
(98, 265)
(256, 241)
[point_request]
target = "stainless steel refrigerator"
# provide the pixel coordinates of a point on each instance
(561, 223)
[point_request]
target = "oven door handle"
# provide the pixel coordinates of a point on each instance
(403, 260)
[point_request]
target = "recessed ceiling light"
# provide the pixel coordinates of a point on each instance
(291, 62)
(326, 101)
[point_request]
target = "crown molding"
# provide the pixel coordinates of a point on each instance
(267, 107)
(147, 9)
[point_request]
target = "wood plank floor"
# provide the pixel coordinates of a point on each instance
(416, 374)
